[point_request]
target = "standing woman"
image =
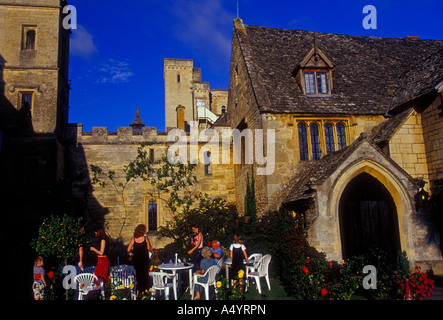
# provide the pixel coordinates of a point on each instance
(102, 268)
(197, 242)
(140, 247)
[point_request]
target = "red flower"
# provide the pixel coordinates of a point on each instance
(330, 264)
(308, 260)
(323, 292)
(50, 274)
(305, 270)
(37, 276)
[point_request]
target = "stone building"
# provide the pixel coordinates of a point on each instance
(357, 123)
(187, 98)
(358, 133)
(34, 105)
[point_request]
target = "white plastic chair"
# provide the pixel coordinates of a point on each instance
(256, 258)
(211, 273)
(124, 275)
(85, 283)
(262, 272)
(160, 283)
(220, 262)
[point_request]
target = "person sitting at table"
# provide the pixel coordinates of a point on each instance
(217, 251)
(205, 263)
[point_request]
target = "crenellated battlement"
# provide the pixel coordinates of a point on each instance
(124, 135)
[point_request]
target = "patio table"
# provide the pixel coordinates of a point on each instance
(178, 267)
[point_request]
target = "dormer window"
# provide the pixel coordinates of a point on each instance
(316, 82)
(315, 73)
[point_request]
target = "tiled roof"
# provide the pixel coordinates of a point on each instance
(419, 80)
(320, 170)
(365, 76)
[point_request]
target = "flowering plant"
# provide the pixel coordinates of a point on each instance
(236, 291)
(417, 286)
(119, 292)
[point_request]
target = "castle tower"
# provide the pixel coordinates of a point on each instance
(179, 75)
(188, 98)
(35, 54)
(34, 100)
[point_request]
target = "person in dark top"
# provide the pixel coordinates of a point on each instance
(102, 268)
(140, 247)
(238, 253)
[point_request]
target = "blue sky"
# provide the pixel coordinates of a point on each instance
(117, 51)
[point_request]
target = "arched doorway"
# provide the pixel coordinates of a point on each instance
(368, 218)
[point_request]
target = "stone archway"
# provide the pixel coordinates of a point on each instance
(367, 217)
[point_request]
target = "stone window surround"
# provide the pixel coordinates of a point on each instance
(321, 130)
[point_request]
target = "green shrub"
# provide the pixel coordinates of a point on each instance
(59, 237)
(216, 218)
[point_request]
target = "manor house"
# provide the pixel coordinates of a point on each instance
(357, 121)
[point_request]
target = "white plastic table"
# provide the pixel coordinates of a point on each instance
(178, 267)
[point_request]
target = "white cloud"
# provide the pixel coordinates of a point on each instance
(115, 71)
(204, 25)
(82, 43)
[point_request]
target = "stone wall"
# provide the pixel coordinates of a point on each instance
(432, 123)
(407, 147)
(36, 71)
(119, 211)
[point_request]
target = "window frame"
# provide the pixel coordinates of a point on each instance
(26, 29)
(327, 73)
(321, 125)
(207, 163)
(315, 152)
(339, 145)
(330, 145)
(155, 222)
(304, 151)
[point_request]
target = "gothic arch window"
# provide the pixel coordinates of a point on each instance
(315, 141)
(303, 142)
(341, 135)
(329, 138)
(152, 215)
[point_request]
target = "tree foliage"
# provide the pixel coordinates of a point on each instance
(59, 237)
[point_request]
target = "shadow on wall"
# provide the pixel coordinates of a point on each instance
(38, 178)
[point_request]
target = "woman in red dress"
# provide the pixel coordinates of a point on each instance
(102, 268)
